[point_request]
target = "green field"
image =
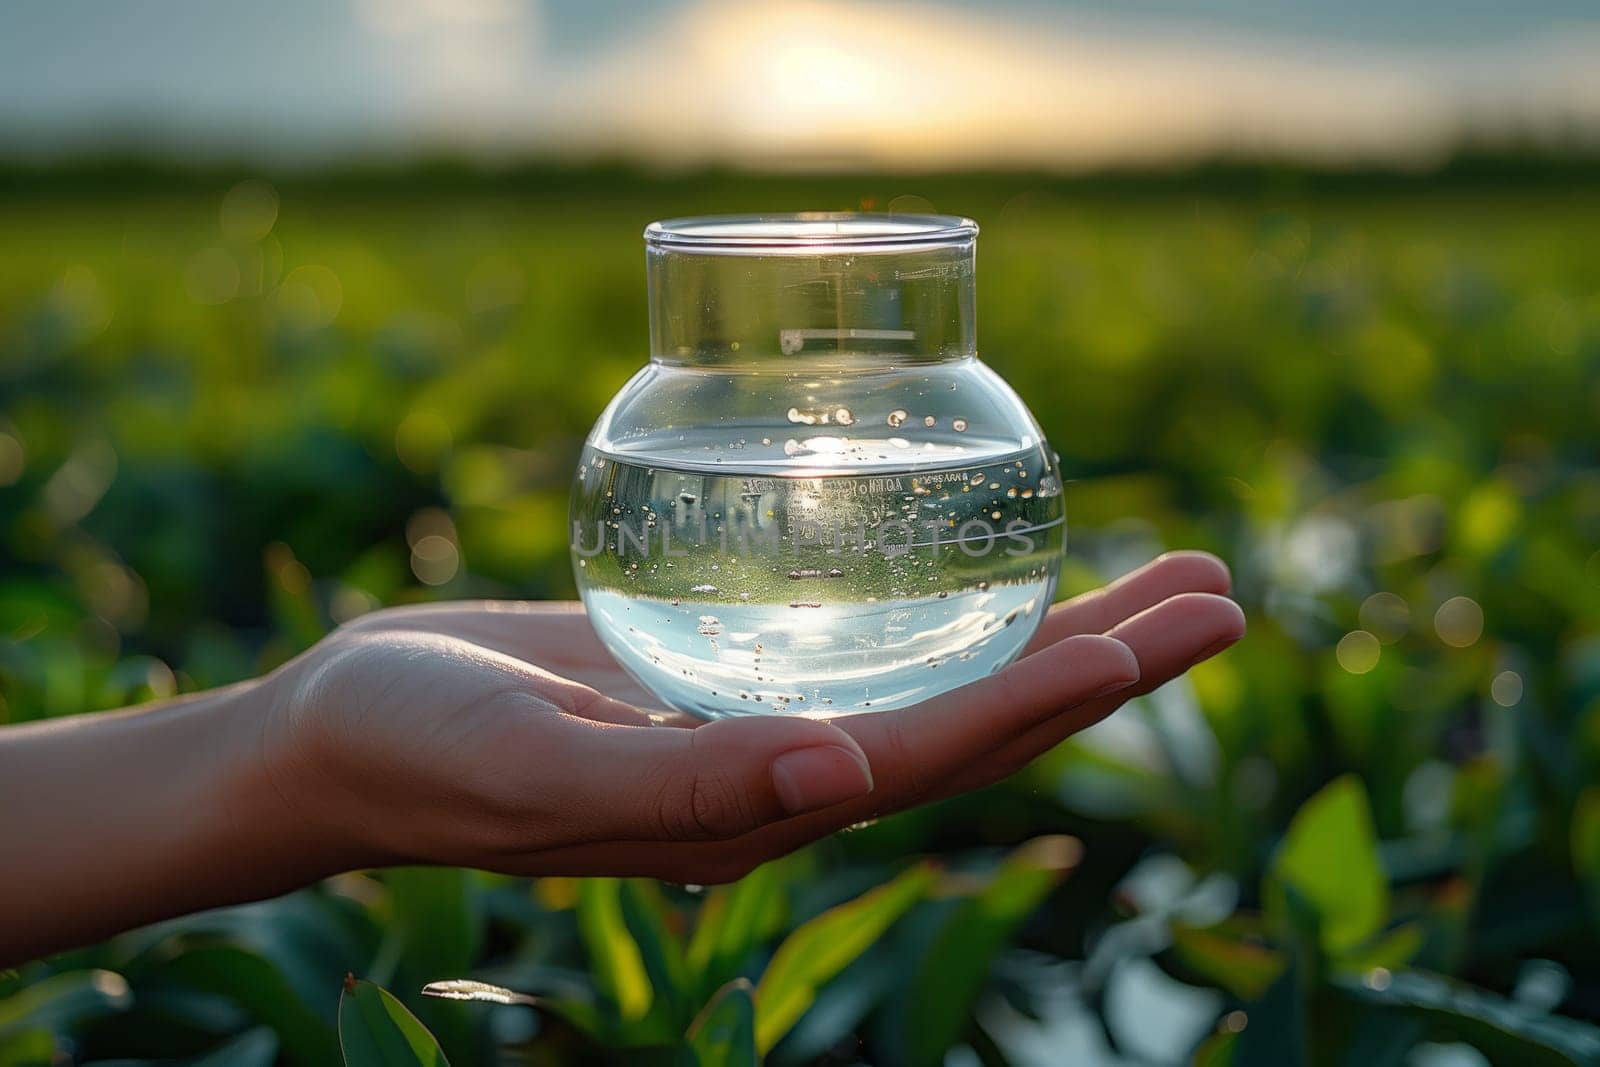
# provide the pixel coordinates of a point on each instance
(225, 417)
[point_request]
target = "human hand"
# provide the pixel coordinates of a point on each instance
(504, 736)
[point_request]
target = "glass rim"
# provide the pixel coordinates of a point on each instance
(807, 232)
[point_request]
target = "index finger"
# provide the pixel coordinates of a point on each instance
(1164, 577)
(911, 749)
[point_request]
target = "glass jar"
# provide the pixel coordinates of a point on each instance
(814, 499)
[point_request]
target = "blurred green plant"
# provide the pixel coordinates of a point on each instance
(376, 1030)
(1321, 952)
(643, 995)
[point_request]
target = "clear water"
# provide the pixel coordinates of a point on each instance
(843, 586)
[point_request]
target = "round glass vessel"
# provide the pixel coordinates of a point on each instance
(814, 499)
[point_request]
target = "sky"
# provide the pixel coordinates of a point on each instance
(797, 83)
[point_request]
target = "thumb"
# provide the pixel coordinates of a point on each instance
(712, 782)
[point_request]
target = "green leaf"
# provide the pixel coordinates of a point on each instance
(1300, 924)
(1503, 1030)
(1393, 950)
(724, 1033)
(733, 922)
(1275, 1034)
(618, 966)
(1586, 845)
(580, 1015)
(376, 1030)
(63, 1001)
(438, 923)
(261, 990)
(437, 918)
(30, 1048)
(1216, 1051)
(950, 974)
(307, 937)
(637, 960)
(1330, 858)
(822, 947)
(644, 912)
(1243, 968)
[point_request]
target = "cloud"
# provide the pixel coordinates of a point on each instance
(917, 85)
(906, 83)
(465, 64)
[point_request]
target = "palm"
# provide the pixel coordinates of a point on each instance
(543, 724)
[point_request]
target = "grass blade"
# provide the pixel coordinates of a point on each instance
(822, 947)
(951, 973)
(724, 1033)
(376, 1030)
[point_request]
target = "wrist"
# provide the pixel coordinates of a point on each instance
(285, 791)
(248, 819)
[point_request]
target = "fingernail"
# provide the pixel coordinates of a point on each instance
(810, 778)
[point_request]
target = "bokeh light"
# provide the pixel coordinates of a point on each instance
(1386, 616)
(435, 557)
(79, 483)
(310, 297)
(1358, 652)
(1506, 689)
(348, 602)
(249, 210)
(1459, 622)
(291, 575)
(434, 560)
